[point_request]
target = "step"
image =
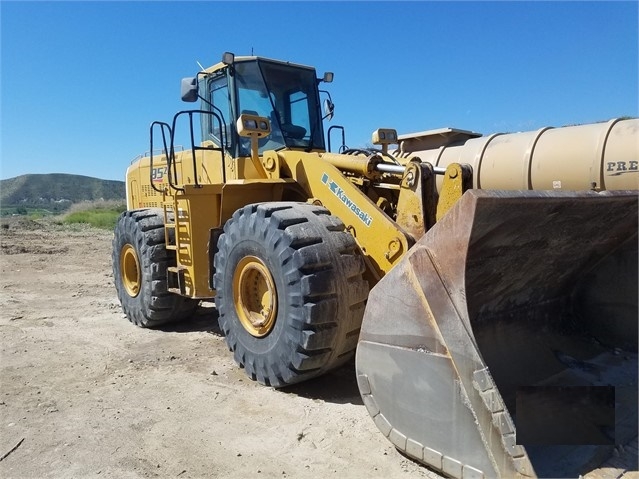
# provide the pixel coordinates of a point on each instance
(175, 279)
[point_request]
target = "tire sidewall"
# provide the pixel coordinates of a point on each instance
(321, 293)
(243, 246)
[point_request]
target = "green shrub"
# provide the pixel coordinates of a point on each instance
(30, 211)
(97, 215)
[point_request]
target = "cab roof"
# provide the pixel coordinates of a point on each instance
(241, 59)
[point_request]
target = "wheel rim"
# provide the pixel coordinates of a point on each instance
(255, 296)
(130, 270)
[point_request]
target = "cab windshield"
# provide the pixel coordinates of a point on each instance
(287, 96)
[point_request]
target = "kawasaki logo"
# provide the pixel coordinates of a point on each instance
(337, 191)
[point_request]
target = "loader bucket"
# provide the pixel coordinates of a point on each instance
(504, 344)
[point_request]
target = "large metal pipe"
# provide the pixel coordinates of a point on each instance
(600, 156)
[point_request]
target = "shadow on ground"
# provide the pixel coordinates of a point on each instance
(203, 320)
(339, 387)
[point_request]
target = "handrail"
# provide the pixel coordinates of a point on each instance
(328, 134)
(171, 164)
(163, 127)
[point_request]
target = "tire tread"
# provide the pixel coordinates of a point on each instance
(154, 305)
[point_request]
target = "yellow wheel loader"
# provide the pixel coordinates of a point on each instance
(487, 284)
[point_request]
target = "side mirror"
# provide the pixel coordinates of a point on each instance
(328, 77)
(329, 109)
(228, 58)
(189, 89)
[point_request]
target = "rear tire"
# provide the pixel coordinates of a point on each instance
(289, 291)
(140, 262)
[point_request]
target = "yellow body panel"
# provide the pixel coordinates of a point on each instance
(196, 212)
(140, 179)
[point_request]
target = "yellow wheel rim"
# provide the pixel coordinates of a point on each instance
(130, 270)
(255, 296)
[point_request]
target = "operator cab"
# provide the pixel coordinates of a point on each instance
(284, 93)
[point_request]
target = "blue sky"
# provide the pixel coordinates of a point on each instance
(82, 81)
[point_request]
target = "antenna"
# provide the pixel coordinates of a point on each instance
(251, 51)
(200, 65)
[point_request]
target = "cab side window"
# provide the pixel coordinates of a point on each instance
(220, 98)
(297, 127)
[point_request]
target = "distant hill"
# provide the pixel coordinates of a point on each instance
(56, 192)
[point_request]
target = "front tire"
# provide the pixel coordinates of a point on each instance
(289, 291)
(140, 262)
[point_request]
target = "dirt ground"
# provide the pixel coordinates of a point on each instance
(84, 393)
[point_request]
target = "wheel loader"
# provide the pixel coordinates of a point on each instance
(487, 285)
